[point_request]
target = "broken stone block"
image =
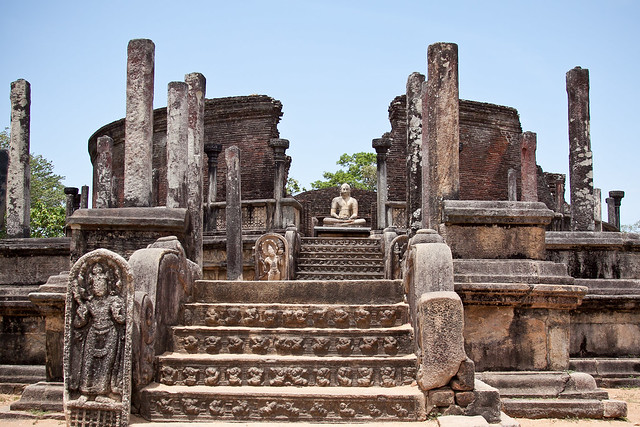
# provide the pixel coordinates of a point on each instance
(487, 402)
(465, 398)
(442, 397)
(614, 409)
(465, 377)
(440, 325)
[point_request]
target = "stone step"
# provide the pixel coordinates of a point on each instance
(544, 384)
(392, 341)
(278, 371)
(14, 378)
(609, 372)
(299, 292)
(314, 259)
(341, 241)
(340, 269)
(304, 404)
(510, 271)
(313, 275)
(610, 286)
(564, 408)
(295, 315)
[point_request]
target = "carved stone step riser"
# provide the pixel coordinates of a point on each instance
(339, 262)
(295, 316)
(340, 270)
(353, 241)
(331, 251)
(317, 343)
(386, 373)
(244, 406)
(329, 276)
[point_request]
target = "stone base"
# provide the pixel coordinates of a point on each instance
(553, 395)
(14, 378)
(326, 231)
(42, 396)
(610, 372)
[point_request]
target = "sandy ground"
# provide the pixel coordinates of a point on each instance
(631, 396)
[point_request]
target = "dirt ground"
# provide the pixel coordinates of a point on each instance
(629, 395)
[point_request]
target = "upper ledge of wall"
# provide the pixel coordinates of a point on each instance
(496, 212)
(559, 240)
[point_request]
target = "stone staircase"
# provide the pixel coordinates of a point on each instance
(311, 351)
(346, 258)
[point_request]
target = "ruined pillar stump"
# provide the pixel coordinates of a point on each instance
(528, 167)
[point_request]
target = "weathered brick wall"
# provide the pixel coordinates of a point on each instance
(397, 155)
(317, 203)
(490, 142)
(246, 121)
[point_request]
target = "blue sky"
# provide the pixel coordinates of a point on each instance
(336, 66)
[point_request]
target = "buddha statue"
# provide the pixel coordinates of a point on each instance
(344, 210)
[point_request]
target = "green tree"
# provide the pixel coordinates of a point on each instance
(47, 195)
(631, 228)
(358, 170)
(293, 186)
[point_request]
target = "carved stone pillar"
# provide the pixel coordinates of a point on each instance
(442, 132)
(18, 190)
(138, 147)
(212, 150)
(73, 201)
(528, 168)
(196, 95)
(580, 156)
(233, 214)
(84, 197)
(382, 146)
(177, 152)
(104, 170)
(597, 211)
(279, 147)
(415, 95)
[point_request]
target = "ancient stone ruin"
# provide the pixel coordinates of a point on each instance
(465, 288)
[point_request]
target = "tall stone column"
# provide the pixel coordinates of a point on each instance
(138, 146)
(212, 150)
(195, 137)
(382, 145)
(177, 152)
(442, 131)
(415, 95)
(613, 204)
(597, 212)
(233, 214)
(580, 156)
(104, 197)
(528, 167)
(279, 148)
(19, 174)
(4, 168)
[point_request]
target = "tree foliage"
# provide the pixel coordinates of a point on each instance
(358, 170)
(293, 186)
(631, 228)
(47, 195)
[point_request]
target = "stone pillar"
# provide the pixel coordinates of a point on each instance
(442, 133)
(233, 214)
(84, 197)
(613, 203)
(104, 197)
(196, 96)
(382, 146)
(138, 147)
(415, 94)
(4, 168)
(19, 171)
(279, 147)
(177, 152)
(72, 202)
(528, 167)
(559, 184)
(597, 212)
(212, 150)
(580, 156)
(512, 185)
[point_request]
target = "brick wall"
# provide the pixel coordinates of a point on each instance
(246, 121)
(397, 155)
(490, 146)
